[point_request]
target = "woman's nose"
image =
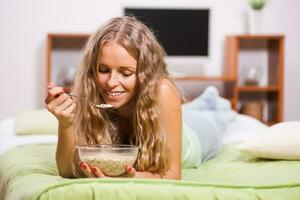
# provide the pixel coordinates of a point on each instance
(113, 80)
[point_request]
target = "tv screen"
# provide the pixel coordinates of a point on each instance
(182, 32)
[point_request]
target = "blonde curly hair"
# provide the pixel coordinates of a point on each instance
(98, 126)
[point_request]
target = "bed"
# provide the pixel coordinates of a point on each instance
(28, 171)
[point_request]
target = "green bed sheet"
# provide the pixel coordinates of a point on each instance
(29, 172)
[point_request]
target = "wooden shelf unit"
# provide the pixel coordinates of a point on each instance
(66, 44)
(267, 51)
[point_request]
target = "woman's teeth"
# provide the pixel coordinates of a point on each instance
(114, 94)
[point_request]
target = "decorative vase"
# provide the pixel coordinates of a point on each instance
(255, 21)
(66, 76)
(255, 16)
(252, 75)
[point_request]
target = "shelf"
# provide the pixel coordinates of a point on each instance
(65, 36)
(266, 53)
(202, 78)
(257, 88)
(259, 37)
(270, 123)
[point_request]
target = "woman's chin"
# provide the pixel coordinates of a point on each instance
(114, 104)
(119, 105)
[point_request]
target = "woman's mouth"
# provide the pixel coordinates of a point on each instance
(114, 94)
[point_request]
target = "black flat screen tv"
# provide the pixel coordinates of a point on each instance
(182, 32)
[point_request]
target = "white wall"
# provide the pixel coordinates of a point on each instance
(24, 25)
(282, 17)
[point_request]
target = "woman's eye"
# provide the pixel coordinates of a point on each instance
(103, 70)
(127, 73)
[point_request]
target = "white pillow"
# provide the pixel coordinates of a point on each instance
(243, 128)
(7, 127)
(280, 141)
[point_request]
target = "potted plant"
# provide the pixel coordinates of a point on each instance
(257, 4)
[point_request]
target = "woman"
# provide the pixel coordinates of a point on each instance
(123, 65)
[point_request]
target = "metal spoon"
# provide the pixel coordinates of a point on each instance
(99, 106)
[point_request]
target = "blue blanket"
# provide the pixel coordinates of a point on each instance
(204, 122)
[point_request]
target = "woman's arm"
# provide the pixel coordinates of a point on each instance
(62, 106)
(169, 103)
(65, 150)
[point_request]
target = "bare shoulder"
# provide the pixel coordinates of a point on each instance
(169, 98)
(167, 89)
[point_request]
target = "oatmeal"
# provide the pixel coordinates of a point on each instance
(111, 165)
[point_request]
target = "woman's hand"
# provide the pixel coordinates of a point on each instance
(60, 104)
(95, 172)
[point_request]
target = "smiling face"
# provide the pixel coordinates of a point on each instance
(117, 74)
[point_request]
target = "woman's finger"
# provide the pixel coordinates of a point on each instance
(130, 171)
(98, 173)
(67, 102)
(70, 109)
(51, 85)
(86, 169)
(53, 106)
(54, 93)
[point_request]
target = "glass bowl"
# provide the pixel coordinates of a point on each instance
(112, 160)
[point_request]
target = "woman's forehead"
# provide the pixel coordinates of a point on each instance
(114, 54)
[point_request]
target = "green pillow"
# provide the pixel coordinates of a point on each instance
(36, 122)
